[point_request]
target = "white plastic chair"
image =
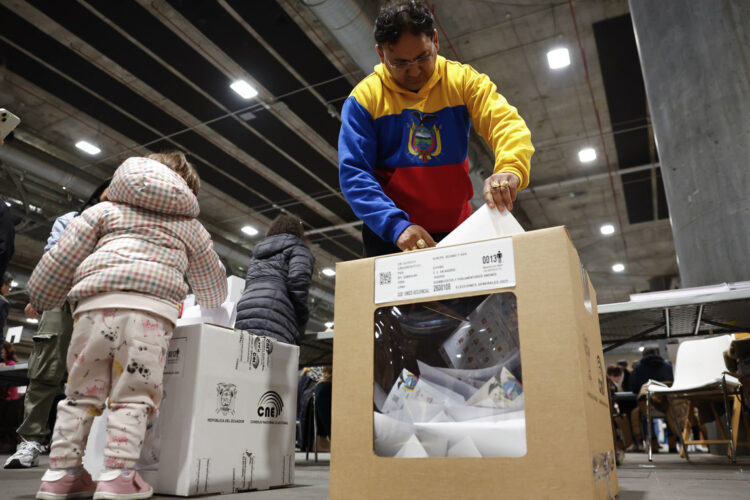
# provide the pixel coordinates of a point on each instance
(699, 372)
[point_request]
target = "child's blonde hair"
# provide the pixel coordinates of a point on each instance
(177, 161)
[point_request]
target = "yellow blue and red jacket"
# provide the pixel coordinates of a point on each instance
(403, 155)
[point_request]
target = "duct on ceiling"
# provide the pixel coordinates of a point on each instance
(351, 26)
(24, 160)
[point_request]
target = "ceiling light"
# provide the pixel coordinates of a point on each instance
(249, 230)
(244, 89)
(558, 58)
(329, 272)
(607, 229)
(7, 203)
(13, 284)
(87, 147)
(586, 155)
(329, 324)
(64, 188)
(33, 321)
(618, 268)
(641, 349)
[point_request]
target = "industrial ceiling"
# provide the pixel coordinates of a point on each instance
(132, 77)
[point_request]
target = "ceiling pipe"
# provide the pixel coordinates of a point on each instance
(347, 22)
(46, 167)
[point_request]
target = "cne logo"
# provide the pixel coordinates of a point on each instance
(270, 405)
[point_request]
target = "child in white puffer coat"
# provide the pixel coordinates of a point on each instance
(123, 265)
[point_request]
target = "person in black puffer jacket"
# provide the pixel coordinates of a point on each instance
(274, 302)
(651, 367)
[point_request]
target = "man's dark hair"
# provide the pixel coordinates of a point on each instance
(399, 16)
(288, 224)
(614, 370)
(650, 351)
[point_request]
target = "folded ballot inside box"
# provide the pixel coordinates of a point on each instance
(450, 412)
(481, 359)
(230, 404)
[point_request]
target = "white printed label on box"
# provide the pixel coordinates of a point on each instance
(484, 265)
(175, 356)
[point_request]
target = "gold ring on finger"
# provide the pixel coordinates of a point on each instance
(421, 243)
(495, 184)
(504, 184)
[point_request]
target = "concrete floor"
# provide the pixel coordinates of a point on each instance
(668, 477)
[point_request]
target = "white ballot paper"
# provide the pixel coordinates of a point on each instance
(410, 387)
(501, 391)
(488, 337)
(449, 418)
(483, 224)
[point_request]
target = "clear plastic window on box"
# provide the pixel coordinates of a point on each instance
(448, 379)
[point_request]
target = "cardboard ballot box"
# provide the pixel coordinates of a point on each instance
(560, 442)
(227, 421)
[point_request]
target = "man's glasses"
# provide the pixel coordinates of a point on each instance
(402, 65)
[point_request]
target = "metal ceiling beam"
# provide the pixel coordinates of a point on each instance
(98, 59)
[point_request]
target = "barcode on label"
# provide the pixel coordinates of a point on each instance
(385, 278)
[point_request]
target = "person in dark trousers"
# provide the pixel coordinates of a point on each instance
(4, 302)
(47, 361)
(651, 367)
(7, 237)
(323, 409)
(274, 302)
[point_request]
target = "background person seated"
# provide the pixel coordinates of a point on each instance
(323, 409)
(621, 413)
(652, 367)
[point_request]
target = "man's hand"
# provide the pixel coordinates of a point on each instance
(30, 311)
(500, 190)
(414, 237)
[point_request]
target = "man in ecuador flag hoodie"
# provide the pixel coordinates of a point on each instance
(404, 140)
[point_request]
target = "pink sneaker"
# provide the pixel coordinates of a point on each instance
(114, 485)
(58, 485)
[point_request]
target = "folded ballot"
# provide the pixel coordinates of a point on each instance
(501, 391)
(438, 415)
(483, 224)
(487, 337)
(409, 387)
(467, 400)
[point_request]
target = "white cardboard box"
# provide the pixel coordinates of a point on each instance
(227, 421)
